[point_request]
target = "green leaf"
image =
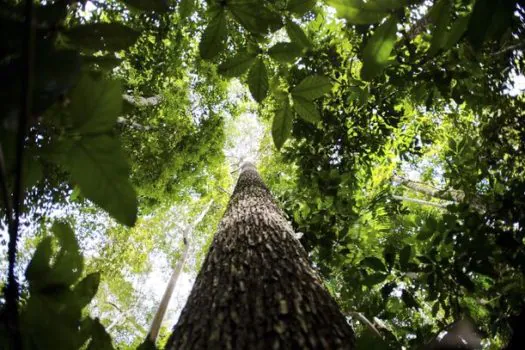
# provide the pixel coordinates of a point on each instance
(39, 266)
(404, 256)
(86, 289)
(282, 123)
(258, 80)
(457, 30)
(439, 34)
(297, 35)
(98, 166)
(237, 65)
(373, 263)
(106, 63)
(285, 52)
(95, 105)
(465, 281)
(300, 7)
(186, 8)
(409, 299)
(68, 264)
(389, 254)
(374, 279)
(160, 6)
(102, 36)
(100, 339)
(254, 16)
(312, 87)
(306, 109)
(357, 12)
(213, 38)
(147, 345)
(377, 51)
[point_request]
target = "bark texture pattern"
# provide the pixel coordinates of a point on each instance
(256, 288)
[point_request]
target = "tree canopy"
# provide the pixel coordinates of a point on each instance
(391, 133)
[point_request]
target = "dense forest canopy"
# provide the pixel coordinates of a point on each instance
(390, 132)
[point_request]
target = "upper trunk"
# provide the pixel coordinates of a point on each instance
(256, 288)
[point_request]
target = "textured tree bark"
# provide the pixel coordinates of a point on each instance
(256, 288)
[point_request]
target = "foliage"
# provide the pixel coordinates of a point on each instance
(124, 107)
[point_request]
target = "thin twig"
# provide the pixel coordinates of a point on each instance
(5, 191)
(12, 292)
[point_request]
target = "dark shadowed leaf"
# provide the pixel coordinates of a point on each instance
(409, 299)
(102, 36)
(254, 16)
(456, 31)
(282, 123)
(377, 51)
(186, 8)
(86, 289)
(404, 256)
(214, 36)
(39, 267)
(373, 263)
(148, 5)
(100, 339)
(440, 33)
(374, 279)
(300, 7)
(306, 109)
(258, 80)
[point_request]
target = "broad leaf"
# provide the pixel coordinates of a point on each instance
(258, 80)
(186, 8)
(457, 31)
(282, 123)
(409, 299)
(300, 7)
(377, 51)
(375, 278)
(373, 263)
(86, 289)
(237, 65)
(68, 264)
(356, 11)
(99, 168)
(297, 35)
(106, 63)
(148, 5)
(306, 109)
(440, 34)
(312, 87)
(39, 267)
(100, 339)
(102, 36)
(254, 16)
(214, 36)
(285, 52)
(95, 105)
(404, 256)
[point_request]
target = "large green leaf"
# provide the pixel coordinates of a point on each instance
(39, 267)
(440, 33)
(285, 52)
(258, 80)
(148, 5)
(68, 264)
(457, 31)
(282, 123)
(186, 8)
(377, 51)
(95, 105)
(306, 109)
(357, 11)
(254, 16)
(102, 36)
(98, 166)
(297, 35)
(373, 263)
(86, 289)
(300, 7)
(237, 65)
(404, 256)
(214, 36)
(312, 87)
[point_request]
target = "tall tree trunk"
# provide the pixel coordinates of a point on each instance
(256, 288)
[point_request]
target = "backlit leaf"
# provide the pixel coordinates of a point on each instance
(377, 51)
(285, 52)
(258, 80)
(236, 65)
(356, 11)
(297, 35)
(306, 109)
(214, 36)
(282, 123)
(148, 5)
(373, 263)
(300, 7)
(312, 87)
